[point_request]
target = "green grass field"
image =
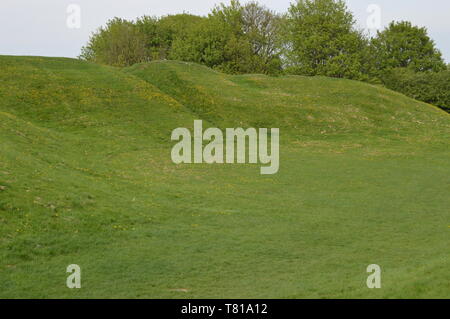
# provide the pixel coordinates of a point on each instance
(86, 178)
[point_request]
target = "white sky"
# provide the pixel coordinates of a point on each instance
(30, 27)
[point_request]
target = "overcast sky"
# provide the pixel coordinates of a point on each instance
(30, 27)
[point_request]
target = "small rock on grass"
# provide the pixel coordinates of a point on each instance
(180, 290)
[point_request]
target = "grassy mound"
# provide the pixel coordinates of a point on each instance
(86, 178)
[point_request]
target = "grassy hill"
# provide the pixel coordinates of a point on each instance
(86, 178)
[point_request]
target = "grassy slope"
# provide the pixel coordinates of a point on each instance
(87, 179)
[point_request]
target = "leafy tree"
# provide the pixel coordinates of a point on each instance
(402, 45)
(204, 43)
(120, 43)
(237, 50)
(160, 33)
(233, 39)
(262, 28)
(222, 41)
(155, 42)
(321, 40)
(315, 37)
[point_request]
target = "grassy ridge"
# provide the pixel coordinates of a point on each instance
(87, 178)
(308, 107)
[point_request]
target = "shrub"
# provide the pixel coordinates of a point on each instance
(321, 39)
(429, 87)
(120, 43)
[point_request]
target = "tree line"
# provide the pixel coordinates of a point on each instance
(314, 37)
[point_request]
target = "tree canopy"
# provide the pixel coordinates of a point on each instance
(321, 39)
(315, 37)
(402, 45)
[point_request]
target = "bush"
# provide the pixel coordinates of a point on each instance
(403, 45)
(315, 37)
(120, 43)
(429, 87)
(234, 39)
(321, 39)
